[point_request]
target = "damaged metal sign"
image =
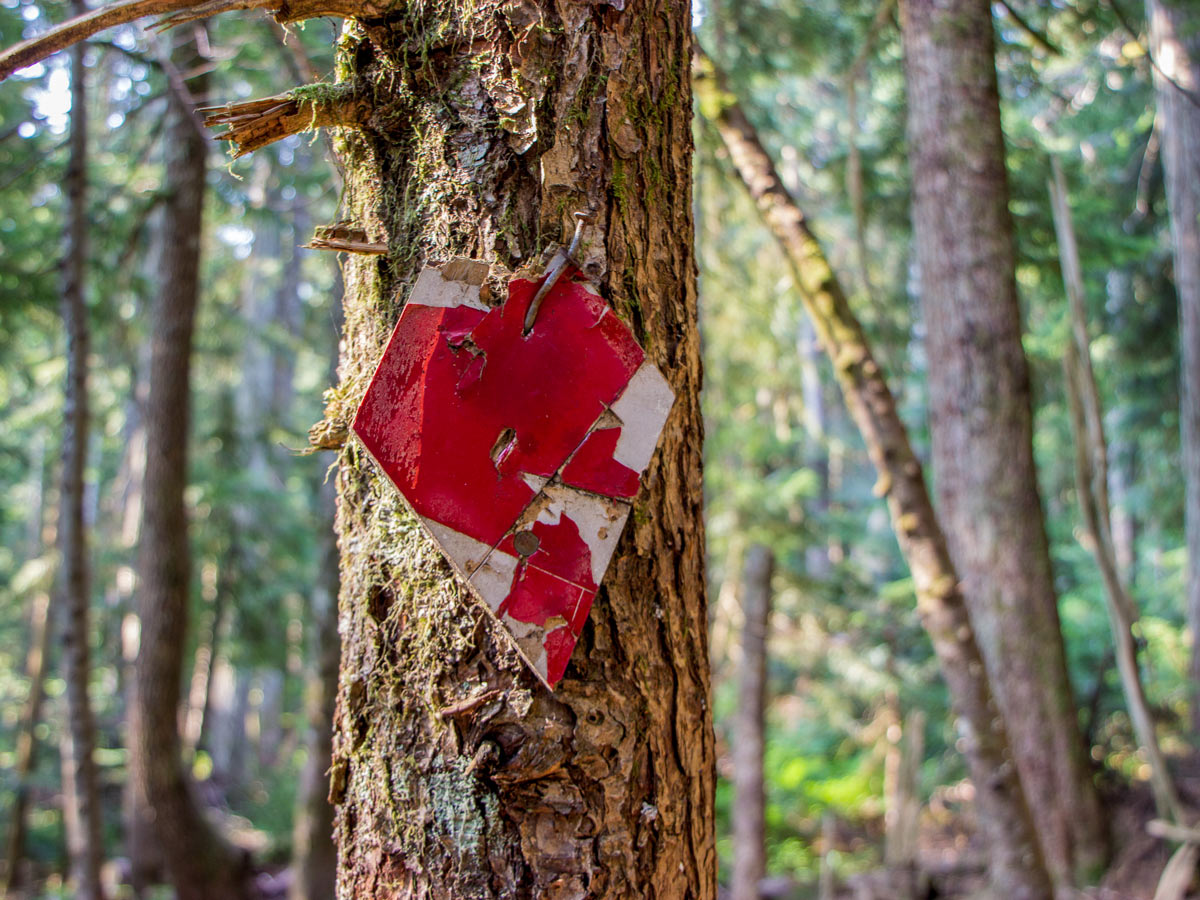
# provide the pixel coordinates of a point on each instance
(519, 452)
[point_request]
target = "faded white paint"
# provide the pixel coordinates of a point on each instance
(466, 553)
(433, 289)
(643, 408)
(599, 520)
(494, 579)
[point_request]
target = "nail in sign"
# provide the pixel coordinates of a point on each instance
(520, 453)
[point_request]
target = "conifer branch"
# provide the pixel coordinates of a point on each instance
(253, 124)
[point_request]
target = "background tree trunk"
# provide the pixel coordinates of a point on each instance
(1091, 484)
(749, 736)
(1175, 46)
(494, 122)
(199, 863)
(26, 749)
(314, 856)
(1017, 869)
(981, 417)
(81, 797)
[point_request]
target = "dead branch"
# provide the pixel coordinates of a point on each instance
(81, 27)
(1034, 35)
(339, 245)
(1091, 482)
(256, 123)
(1145, 181)
(1172, 832)
(173, 12)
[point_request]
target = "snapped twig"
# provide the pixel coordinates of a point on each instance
(344, 237)
(255, 123)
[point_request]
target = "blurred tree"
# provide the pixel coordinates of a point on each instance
(1015, 865)
(314, 855)
(198, 861)
(1175, 47)
(749, 810)
(81, 797)
(981, 417)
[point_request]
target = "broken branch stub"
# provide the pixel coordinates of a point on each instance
(344, 237)
(253, 124)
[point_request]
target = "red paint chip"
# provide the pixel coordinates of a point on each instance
(519, 452)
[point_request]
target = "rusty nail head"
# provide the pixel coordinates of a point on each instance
(526, 543)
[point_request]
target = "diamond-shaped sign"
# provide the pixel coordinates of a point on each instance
(519, 452)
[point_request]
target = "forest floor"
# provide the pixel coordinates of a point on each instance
(951, 855)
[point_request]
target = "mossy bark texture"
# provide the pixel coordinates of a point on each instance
(981, 417)
(456, 774)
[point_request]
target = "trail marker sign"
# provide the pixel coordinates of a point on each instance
(520, 453)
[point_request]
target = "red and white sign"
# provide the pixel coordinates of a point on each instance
(519, 452)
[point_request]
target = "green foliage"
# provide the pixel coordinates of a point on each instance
(784, 465)
(844, 637)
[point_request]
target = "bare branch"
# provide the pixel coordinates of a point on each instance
(256, 123)
(1034, 35)
(1173, 832)
(81, 28)
(173, 12)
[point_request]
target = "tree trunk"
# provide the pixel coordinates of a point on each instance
(981, 418)
(749, 736)
(314, 857)
(199, 863)
(1175, 46)
(1017, 869)
(81, 797)
(1091, 484)
(35, 674)
(457, 773)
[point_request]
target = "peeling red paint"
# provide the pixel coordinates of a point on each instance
(475, 422)
(594, 469)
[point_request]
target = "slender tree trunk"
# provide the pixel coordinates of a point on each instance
(818, 558)
(902, 819)
(981, 417)
(1175, 46)
(1091, 482)
(749, 736)
(314, 857)
(81, 796)
(494, 122)
(199, 863)
(1017, 869)
(35, 674)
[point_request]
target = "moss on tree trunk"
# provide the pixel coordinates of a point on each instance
(491, 123)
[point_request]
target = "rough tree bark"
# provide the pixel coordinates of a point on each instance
(1175, 47)
(749, 737)
(81, 797)
(1017, 869)
(981, 417)
(457, 773)
(199, 863)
